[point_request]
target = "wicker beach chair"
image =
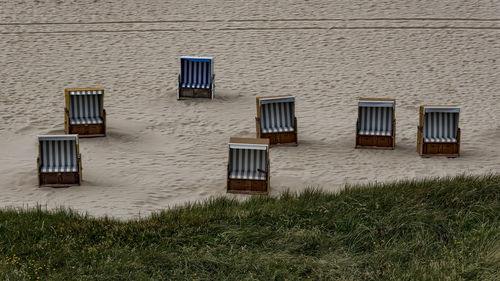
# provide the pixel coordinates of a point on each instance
(438, 132)
(197, 78)
(59, 162)
(248, 166)
(376, 124)
(276, 119)
(84, 112)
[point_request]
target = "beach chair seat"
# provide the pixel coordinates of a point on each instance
(59, 169)
(277, 129)
(85, 114)
(276, 119)
(375, 133)
(248, 166)
(86, 120)
(444, 139)
(438, 132)
(196, 78)
(246, 163)
(248, 175)
(195, 85)
(59, 160)
(376, 124)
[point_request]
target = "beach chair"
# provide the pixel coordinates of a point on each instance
(248, 166)
(84, 112)
(196, 79)
(438, 132)
(59, 162)
(276, 119)
(376, 124)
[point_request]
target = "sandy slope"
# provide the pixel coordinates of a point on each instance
(161, 152)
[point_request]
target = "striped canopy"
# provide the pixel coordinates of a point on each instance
(248, 146)
(375, 118)
(94, 92)
(442, 109)
(277, 114)
(276, 100)
(196, 72)
(58, 153)
(86, 109)
(376, 104)
(58, 137)
(441, 125)
(245, 162)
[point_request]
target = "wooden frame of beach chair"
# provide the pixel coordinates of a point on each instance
(84, 112)
(247, 170)
(442, 136)
(196, 78)
(59, 163)
(376, 123)
(275, 115)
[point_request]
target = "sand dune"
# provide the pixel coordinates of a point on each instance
(161, 152)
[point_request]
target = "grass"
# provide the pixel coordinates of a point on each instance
(436, 229)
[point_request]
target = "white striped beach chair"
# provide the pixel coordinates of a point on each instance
(196, 78)
(248, 166)
(376, 124)
(59, 161)
(276, 119)
(438, 132)
(84, 113)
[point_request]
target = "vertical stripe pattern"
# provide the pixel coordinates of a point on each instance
(277, 117)
(58, 156)
(245, 163)
(195, 74)
(85, 107)
(375, 121)
(440, 127)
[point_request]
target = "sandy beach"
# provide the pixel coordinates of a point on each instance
(160, 152)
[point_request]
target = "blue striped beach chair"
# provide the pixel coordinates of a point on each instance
(438, 132)
(248, 166)
(376, 124)
(197, 78)
(84, 112)
(276, 119)
(59, 161)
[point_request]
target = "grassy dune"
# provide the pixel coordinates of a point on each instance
(439, 229)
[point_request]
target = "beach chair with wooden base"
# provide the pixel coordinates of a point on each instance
(197, 78)
(438, 132)
(276, 119)
(59, 162)
(84, 112)
(376, 125)
(248, 166)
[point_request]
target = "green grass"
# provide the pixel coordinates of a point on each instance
(436, 229)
